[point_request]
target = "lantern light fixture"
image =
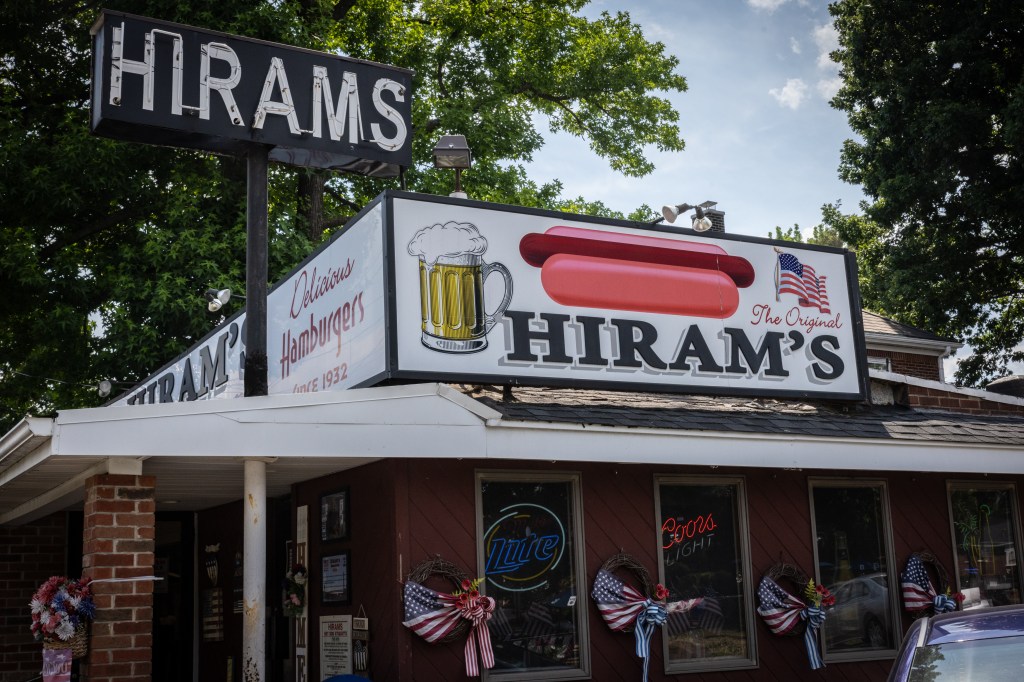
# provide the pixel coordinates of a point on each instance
(452, 151)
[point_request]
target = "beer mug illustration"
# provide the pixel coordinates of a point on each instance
(454, 318)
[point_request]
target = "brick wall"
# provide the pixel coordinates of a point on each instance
(919, 396)
(119, 537)
(911, 364)
(29, 555)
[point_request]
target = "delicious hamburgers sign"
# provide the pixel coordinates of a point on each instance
(429, 288)
(165, 83)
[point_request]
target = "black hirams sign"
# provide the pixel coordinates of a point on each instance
(175, 85)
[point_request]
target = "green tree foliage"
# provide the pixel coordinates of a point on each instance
(108, 246)
(821, 235)
(935, 93)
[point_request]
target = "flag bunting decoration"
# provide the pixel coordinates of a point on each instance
(800, 279)
(782, 612)
(623, 606)
(433, 615)
(918, 593)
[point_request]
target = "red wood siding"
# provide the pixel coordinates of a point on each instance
(406, 511)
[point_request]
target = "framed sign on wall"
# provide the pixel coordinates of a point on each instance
(335, 579)
(334, 516)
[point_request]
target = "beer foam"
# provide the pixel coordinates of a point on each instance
(450, 240)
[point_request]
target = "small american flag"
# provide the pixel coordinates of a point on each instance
(618, 603)
(918, 593)
(710, 611)
(779, 609)
(428, 613)
(794, 277)
(539, 620)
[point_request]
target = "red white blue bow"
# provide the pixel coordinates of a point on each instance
(433, 615)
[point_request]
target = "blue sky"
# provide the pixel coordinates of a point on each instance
(760, 136)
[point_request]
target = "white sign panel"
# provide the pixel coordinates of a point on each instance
(335, 646)
(325, 329)
(491, 293)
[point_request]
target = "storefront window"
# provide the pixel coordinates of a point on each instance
(986, 539)
(704, 553)
(531, 551)
(853, 560)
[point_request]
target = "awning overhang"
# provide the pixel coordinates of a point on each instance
(196, 449)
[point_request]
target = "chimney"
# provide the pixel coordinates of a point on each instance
(717, 219)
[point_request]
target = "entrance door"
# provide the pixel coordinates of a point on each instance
(173, 605)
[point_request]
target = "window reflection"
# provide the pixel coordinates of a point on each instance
(985, 534)
(852, 563)
(530, 567)
(702, 555)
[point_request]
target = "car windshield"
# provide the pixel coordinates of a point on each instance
(977, 660)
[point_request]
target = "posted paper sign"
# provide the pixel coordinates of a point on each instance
(335, 646)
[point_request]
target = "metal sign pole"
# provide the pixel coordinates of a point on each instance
(256, 272)
(254, 561)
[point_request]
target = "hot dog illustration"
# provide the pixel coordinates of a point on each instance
(595, 269)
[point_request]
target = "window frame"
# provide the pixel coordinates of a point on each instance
(574, 479)
(967, 484)
(750, 662)
(892, 574)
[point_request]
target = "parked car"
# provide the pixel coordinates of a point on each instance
(861, 617)
(963, 646)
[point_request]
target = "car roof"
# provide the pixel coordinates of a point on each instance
(986, 623)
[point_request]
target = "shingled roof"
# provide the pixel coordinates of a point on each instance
(877, 324)
(746, 415)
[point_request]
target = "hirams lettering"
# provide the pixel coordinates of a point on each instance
(343, 111)
(212, 375)
(635, 341)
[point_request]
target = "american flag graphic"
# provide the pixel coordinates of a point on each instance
(618, 603)
(779, 609)
(918, 593)
(794, 277)
(428, 613)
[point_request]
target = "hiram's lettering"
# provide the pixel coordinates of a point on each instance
(543, 338)
(212, 369)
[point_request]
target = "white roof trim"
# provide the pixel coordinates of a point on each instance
(640, 445)
(437, 421)
(907, 344)
(25, 437)
(949, 388)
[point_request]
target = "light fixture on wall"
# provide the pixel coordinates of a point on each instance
(452, 151)
(218, 298)
(700, 222)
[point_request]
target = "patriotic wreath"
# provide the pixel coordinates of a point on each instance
(625, 608)
(919, 595)
(784, 613)
(440, 617)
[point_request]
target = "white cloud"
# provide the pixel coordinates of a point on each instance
(794, 45)
(767, 5)
(828, 87)
(792, 94)
(826, 38)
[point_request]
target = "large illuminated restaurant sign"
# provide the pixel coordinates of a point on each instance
(430, 288)
(165, 83)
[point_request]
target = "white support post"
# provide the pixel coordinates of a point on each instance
(254, 572)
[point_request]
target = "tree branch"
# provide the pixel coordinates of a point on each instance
(99, 225)
(342, 200)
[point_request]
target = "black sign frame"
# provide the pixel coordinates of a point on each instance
(231, 93)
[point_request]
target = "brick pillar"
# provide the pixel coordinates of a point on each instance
(118, 543)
